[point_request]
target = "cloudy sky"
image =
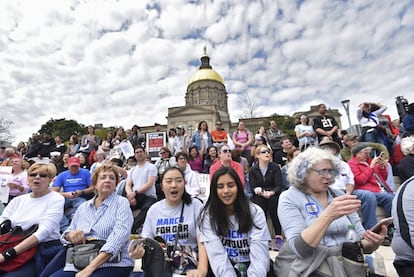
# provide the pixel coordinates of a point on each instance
(124, 62)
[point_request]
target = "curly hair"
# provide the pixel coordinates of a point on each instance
(300, 166)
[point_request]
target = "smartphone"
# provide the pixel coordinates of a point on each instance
(134, 243)
(385, 221)
(382, 154)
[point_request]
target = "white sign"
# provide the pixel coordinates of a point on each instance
(204, 180)
(5, 173)
(126, 148)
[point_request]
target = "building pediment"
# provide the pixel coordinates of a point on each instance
(191, 110)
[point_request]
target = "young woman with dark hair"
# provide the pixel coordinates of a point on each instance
(233, 230)
(209, 158)
(196, 158)
(163, 217)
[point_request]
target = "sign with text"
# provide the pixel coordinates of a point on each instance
(126, 148)
(154, 142)
(5, 173)
(204, 180)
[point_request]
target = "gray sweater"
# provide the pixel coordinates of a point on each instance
(402, 250)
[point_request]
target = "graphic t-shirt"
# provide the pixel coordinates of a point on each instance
(163, 220)
(236, 244)
(72, 182)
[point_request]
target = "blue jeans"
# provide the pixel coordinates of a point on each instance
(373, 136)
(370, 201)
(100, 272)
(368, 207)
(71, 205)
(384, 199)
(27, 270)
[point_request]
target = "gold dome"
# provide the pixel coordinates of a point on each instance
(206, 74)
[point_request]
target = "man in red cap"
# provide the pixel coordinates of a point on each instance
(75, 185)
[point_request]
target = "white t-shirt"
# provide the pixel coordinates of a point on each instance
(162, 220)
(344, 177)
(302, 129)
(139, 176)
(238, 247)
(47, 211)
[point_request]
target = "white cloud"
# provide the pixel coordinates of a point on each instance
(125, 62)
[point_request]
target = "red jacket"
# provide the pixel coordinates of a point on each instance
(364, 174)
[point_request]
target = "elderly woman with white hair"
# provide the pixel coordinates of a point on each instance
(406, 166)
(315, 217)
(100, 157)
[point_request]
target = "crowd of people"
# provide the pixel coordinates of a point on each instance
(310, 186)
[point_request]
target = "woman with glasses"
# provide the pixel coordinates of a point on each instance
(41, 206)
(162, 164)
(315, 218)
(225, 160)
(266, 185)
(192, 185)
(219, 135)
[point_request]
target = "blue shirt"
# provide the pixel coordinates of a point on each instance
(72, 182)
(298, 210)
(112, 221)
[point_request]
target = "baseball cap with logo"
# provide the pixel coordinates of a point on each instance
(74, 161)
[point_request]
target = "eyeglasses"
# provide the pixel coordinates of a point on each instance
(41, 175)
(182, 159)
(326, 172)
(225, 150)
(264, 152)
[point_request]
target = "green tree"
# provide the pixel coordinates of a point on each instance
(5, 135)
(285, 123)
(63, 127)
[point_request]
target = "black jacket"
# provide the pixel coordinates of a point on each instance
(271, 181)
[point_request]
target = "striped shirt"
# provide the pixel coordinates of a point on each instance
(112, 222)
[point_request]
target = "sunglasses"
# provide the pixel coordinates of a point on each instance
(225, 150)
(41, 175)
(264, 152)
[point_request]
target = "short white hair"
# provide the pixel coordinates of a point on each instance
(407, 145)
(300, 166)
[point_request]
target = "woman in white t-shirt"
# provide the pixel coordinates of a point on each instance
(43, 207)
(163, 219)
(234, 231)
(305, 133)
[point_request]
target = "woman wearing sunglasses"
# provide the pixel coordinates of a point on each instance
(225, 160)
(43, 207)
(266, 185)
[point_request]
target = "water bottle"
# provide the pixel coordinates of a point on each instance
(241, 268)
(351, 235)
